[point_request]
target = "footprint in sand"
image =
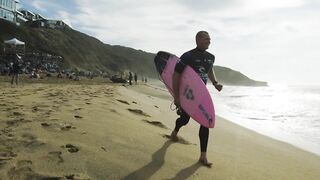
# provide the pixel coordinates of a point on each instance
(16, 122)
(178, 140)
(78, 117)
(23, 170)
(30, 141)
(9, 109)
(67, 127)
(3, 105)
(108, 94)
(122, 101)
(55, 156)
(139, 112)
(63, 127)
(19, 106)
(6, 130)
(5, 156)
(103, 148)
(57, 102)
(71, 148)
(156, 123)
(17, 114)
(77, 176)
(45, 124)
(114, 111)
(77, 109)
(35, 109)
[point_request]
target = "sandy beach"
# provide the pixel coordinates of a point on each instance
(112, 131)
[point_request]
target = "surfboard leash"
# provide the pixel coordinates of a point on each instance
(177, 109)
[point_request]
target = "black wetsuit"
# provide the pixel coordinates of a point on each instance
(16, 65)
(15, 68)
(201, 62)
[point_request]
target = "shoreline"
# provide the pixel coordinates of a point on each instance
(110, 131)
(159, 85)
(267, 126)
(297, 144)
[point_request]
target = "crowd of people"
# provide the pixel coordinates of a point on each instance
(33, 64)
(38, 65)
(127, 78)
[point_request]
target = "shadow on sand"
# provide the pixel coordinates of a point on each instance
(157, 162)
(151, 168)
(187, 172)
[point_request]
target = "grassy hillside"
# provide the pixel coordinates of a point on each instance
(231, 77)
(79, 50)
(83, 52)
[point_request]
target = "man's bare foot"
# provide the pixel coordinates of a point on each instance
(174, 136)
(205, 162)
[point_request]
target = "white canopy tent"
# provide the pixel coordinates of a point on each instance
(14, 43)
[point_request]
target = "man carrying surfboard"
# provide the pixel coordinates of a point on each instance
(201, 62)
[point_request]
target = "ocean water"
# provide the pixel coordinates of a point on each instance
(286, 113)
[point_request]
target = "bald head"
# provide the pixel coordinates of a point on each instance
(201, 34)
(203, 40)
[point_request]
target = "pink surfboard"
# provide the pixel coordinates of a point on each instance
(194, 96)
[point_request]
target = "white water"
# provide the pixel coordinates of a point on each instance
(287, 113)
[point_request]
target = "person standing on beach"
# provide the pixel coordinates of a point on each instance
(135, 78)
(201, 62)
(15, 61)
(130, 78)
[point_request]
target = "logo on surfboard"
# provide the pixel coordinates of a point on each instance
(188, 93)
(205, 113)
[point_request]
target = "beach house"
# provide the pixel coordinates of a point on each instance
(8, 10)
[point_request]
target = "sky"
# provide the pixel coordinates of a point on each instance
(277, 41)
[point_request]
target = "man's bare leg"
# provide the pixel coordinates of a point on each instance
(174, 135)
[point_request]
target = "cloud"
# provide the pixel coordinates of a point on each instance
(65, 16)
(50, 8)
(40, 5)
(135, 23)
(272, 4)
(207, 5)
(245, 33)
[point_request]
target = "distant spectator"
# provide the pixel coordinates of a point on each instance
(59, 75)
(15, 64)
(130, 78)
(145, 80)
(34, 75)
(77, 78)
(135, 78)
